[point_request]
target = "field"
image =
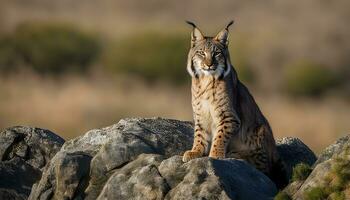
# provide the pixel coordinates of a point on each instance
(74, 65)
(74, 105)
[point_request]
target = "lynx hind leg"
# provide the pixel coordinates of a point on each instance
(258, 158)
(256, 153)
(275, 168)
(266, 158)
(200, 145)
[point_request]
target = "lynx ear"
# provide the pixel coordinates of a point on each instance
(196, 33)
(222, 36)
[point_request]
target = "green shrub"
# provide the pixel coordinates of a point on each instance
(341, 172)
(48, 48)
(301, 172)
(337, 180)
(337, 196)
(316, 193)
(309, 79)
(153, 56)
(282, 196)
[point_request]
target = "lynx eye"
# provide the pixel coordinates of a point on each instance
(201, 53)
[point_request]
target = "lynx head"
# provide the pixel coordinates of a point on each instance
(209, 56)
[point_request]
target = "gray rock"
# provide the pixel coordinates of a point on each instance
(152, 177)
(72, 171)
(18, 175)
(24, 152)
(35, 146)
(323, 170)
(293, 187)
(316, 178)
(333, 149)
(139, 159)
(172, 170)
(207, 178)
(10, 194)
(112, 148)
(293, 151)
(139, 179)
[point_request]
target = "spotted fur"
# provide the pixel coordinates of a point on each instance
(228, 122)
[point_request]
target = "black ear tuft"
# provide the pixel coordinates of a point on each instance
(196, 34)
(191, 23)
(229, 24)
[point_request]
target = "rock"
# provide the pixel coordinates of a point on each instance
(139, 159)
(292, 187)
(72, 171)
(293, 151)
(133, 159)
(33, 145)
(333, 149)
(139, 179)
(207, 178)
(316, 178)
(329, 175)
(24, 152)
(151, 176)
(10, 194)
(112, 148)
(18, 175)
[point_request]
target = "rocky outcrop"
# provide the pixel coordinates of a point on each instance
(24, 152)
(133, 159)
(203, 178)
(293, 151)
(334, 149)
(99, 152)
(329, 178)
(139, 159)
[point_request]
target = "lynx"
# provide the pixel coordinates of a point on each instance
(228, 122)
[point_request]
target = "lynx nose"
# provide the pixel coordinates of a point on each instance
(208, 63)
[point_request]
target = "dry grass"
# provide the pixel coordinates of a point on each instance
(317, 123)
(275, 33)
(73, 105)
(268, 35)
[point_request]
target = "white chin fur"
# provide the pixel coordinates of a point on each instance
(218, 72)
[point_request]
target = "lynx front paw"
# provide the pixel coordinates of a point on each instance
(217, 155)
(189, 155)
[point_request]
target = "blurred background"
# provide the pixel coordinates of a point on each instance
(74, 65)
